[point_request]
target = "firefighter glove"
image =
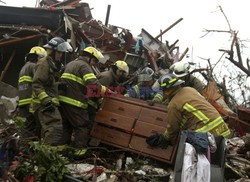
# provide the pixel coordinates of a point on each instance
(157, 140)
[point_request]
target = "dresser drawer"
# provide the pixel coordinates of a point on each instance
(110, 135)
(115, 120)
(147, 129)
(121, 108)
(139, 144)
(153, 116)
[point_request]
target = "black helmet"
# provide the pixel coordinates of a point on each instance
(58, 44)
(169, 81)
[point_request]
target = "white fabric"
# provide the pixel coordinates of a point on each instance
(203, 169)
(194, 169)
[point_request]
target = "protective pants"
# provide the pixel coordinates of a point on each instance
(52, 129)
(32, 127)
(75, 120)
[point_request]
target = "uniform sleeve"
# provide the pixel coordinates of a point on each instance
(173, 126)
(90, 79)
(132, 92)
(104, 79)
(159, 97)
(40, 78)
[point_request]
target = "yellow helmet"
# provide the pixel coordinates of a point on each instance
(94, 52)
(41, 52)
(122, 65)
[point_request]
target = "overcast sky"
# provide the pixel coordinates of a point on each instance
(159, 14)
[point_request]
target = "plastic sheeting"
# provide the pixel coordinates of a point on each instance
(196, 168)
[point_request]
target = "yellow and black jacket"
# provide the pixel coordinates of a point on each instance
(77, 77)
(25, 84)
(188, 110)
(45, 86)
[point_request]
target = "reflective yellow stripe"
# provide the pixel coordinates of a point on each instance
(55, 100)
(136, 89)
(200, 115)
(159, 97)
(36, 101)
(73, 102)
(31, 110)
(25, 79)
(226, 133)
(89, 76)
(170, 81)
(42, 95)
(72, 77)
(211, 125)
(24, 101)
(92, 103)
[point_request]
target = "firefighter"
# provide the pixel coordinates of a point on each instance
(143, 89)
(187, 110)
(45, 100)
(181, 70)
(80, 84)
(25, 90)
(111, 77)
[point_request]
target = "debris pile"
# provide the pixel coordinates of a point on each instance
(238, 161)
(118, 151)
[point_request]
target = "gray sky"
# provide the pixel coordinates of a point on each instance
(159, 14)
(196, 14)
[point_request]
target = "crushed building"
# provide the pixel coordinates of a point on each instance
(129, 121)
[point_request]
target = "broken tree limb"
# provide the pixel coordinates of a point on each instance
(7, 65)
(183, 54)
(239, 63)
(167, 29)
(229, 26)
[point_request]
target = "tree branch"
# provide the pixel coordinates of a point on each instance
(225, 18)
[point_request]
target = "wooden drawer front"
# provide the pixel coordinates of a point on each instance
(147, 129)
(139, 144)
(121, 108)
(115, 120)
(110, 135)
(153, 116)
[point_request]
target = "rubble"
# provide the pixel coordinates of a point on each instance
(121, 123)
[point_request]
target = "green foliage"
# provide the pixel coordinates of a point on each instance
(44, 163)
(20, 121)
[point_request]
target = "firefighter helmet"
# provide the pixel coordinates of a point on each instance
(180, 69)
(59, 44)
(122, 65)
(93, 52)
(169, 81)
(41, 52)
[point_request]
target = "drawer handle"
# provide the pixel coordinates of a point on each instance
(120, 108)
(159, 119)
(154, 131)
(113, 119)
